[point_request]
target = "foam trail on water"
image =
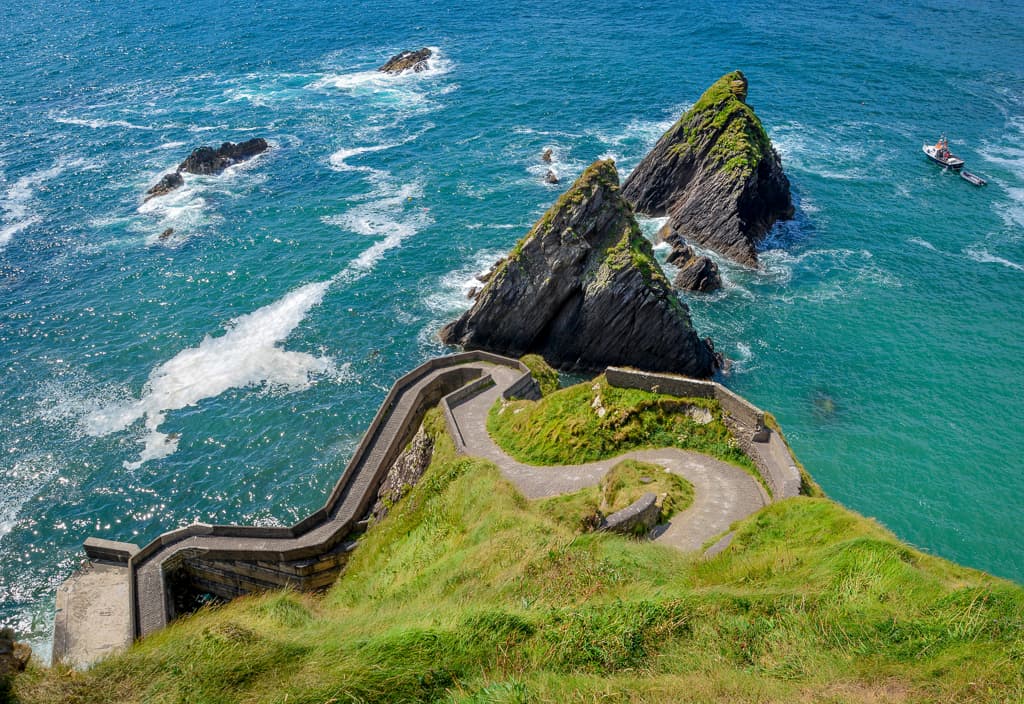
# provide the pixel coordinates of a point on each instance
(97, 124)
(248, 354)
(17, 199)
(338, 159)
(984, 257)
(377, 218)
(923, 243)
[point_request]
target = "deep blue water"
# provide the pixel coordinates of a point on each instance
(226, 373)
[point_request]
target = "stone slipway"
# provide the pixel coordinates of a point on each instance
(126, 592)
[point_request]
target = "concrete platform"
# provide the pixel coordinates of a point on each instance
(93, 615)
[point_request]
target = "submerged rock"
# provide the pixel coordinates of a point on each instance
(583, 290)
(403, 61)
(166, 234)
(715, 174)
(699, 274)
(165, 185)
(207, 160)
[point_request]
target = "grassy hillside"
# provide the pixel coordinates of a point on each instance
(467, 592)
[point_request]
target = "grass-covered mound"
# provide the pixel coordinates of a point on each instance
(594, 421)
(466, 592)
(544, 373)
(624, 483)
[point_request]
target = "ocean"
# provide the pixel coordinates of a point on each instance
(225, 373)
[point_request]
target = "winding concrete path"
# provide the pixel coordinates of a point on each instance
(722, 493)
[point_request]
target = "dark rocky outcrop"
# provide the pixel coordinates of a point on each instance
(550, 177)
(403, 61)
(207, 160)
(715, 174)
(547, 155)
(404, 474)
(583, 290)
(165, 185)
(14, 656)
(698, 274)
(166, 234)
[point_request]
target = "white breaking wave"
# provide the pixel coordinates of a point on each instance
(338, 159)
(452, 295)
(248, 354)
(27, 475)
(373, 80)
(16, 202)
(984, 257)
(923, 243)
(99, 123)
(7, 233)
(391, 217)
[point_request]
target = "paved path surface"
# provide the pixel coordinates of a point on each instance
(722, 493)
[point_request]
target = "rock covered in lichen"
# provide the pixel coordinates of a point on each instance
(715, 174)
(583, 289)
(405, 60)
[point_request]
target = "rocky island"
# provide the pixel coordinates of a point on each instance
(207, 161)
(715, 174)
(583, 289)
(405, 60)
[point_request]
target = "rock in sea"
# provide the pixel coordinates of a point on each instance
(584, 290)
(699, 274)
(403, 61)
(165, 185)
(207, 160)
(550, 177)
(715, 174)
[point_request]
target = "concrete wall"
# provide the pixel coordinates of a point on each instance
(769, 453)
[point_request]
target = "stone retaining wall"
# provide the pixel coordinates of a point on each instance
(769, 453)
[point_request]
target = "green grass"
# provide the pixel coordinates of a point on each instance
(740, 138)
(566, 428)
(467, 592)
(546, 376)
(624, 483)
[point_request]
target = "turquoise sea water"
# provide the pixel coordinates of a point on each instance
(226, 373)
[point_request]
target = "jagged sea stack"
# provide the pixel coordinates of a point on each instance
(715, 174)
(583, 289)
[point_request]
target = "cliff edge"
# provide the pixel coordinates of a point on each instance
(583, 289)
(715, 174)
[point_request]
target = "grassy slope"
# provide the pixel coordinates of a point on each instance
(469, 593)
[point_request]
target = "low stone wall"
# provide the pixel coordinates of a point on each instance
(639, 516)
(769, 453)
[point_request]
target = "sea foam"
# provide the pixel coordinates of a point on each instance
(16, 202)
(248, 354)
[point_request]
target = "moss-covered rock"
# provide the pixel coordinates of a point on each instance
(584, 290)
(715, 174)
